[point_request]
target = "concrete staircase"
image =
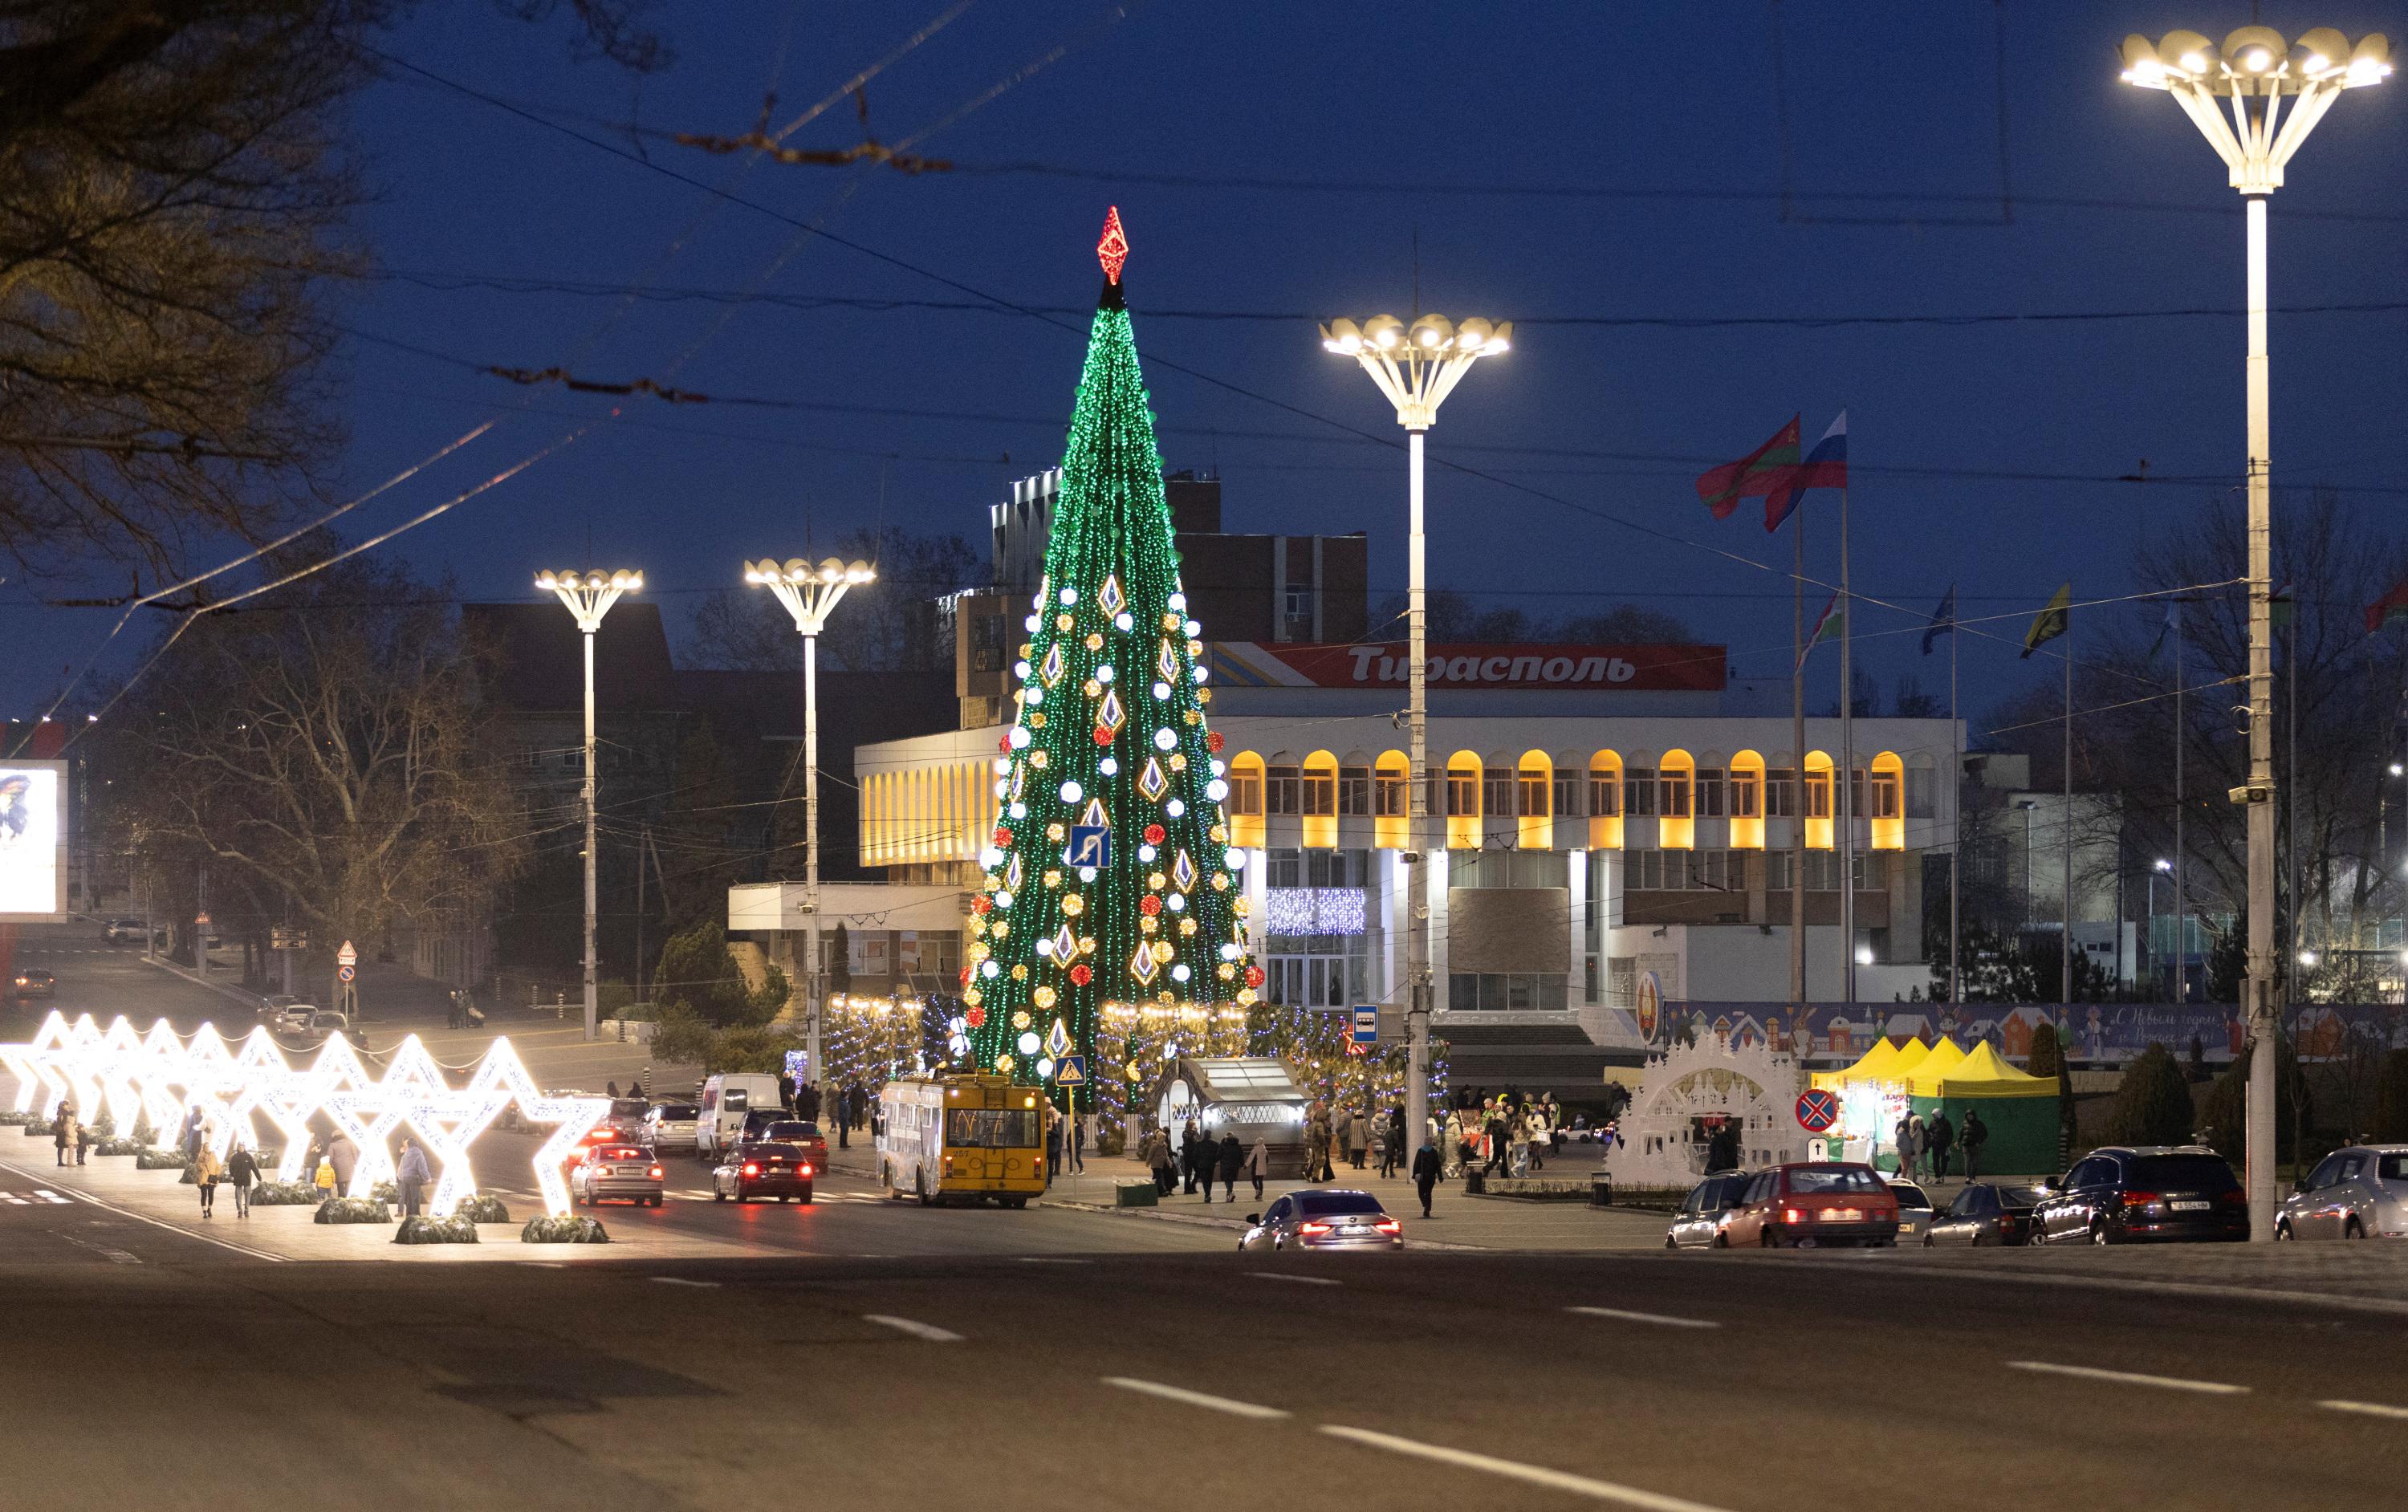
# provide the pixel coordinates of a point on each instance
(1531, 1058)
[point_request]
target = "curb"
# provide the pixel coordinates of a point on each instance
(1233, 1225)
(235, 994)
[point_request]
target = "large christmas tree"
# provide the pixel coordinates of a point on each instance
(1111, 894)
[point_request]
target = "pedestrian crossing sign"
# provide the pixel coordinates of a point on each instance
(1071, 1071)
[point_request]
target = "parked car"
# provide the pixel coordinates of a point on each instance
(2126, 1193)
(1698, 1224)
(2360, 1192)
(765, 1168)
(1986, 1213)
(669, 1126)
(615, 1173)
(1323, 1220)
(1815, 1203)
(292, 1018)
(120, 931)
(33, 981)
(1914, 1212)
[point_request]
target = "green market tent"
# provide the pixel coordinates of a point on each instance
(2020, 1109)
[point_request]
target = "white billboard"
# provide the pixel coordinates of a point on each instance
(33, 842)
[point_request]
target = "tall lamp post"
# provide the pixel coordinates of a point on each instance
(810, 593)
(2255, 71)
(588, 596)
(1416, 367)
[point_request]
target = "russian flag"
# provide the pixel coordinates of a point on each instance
(1825, 466)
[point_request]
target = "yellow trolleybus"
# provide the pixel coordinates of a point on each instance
(961, 1137)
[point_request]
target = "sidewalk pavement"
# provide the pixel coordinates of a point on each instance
(1460, 1221)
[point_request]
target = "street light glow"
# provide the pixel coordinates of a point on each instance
(2165, 865)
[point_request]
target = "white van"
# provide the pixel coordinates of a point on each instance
(726, 1099)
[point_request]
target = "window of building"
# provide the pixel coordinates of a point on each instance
(1744, 795)
(1823, 871)
(1511, 869)
(1885, 796)
(1496, 793)
(1568, 788)
(1672, 796)
(1390, 794)
(1320, 792)
(1709, 793)
(1246, 793)
(1781, 793)
(1920, 792)
(1604, 795)
(1536, 790)
(1857, 808)
(1505, 993)
(1462, 793)
(1279, 785)
(1593, 930)
(1685, 871)
(1296, 612)
(1818, 795)
(1638, 785)
(1777, 874)
(1316, 971)
(1354, 792)
(986, 643)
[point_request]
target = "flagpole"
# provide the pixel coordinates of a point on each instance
(1955, 812)
(2065, 940)
(1797, 764)
(2182, 899)
(1846, 781)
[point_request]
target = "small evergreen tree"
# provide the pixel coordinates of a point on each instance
(2226, 1114)
(2048, 1059)
(839, 961)
(2153, 1104)
(697, 971)
(2392, 1098)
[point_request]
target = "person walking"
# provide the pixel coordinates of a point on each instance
(1451, 1140)
(1190, 1157)
(1903, 1137)
(412, 1176)
(206, 1171)
(1943, 1139)
(63, 1131)
(1976, 1134)
(1341, 1134)
(1922, 1145)
(324, 1180)
(1494, 1130)
(344, 1157)
(1158, 1152)
(610, 1089)
(1258, 1164)
(1393, 1157)
(1233, 1155)
(242, 1169)
(84, 1136)
(1052, 1142)
(1426, 1166)
(1079, 1144)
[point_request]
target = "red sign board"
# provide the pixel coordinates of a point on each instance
(1818, 1110)
(1387, 665)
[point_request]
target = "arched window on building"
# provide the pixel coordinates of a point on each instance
(1745, 801)
(1819, 834)
(1884, 803)
(1605, 801)
(1463, 770)
(1245, 804)
(1535, 804)
(1391, 800)
(1318, 801)
(1676, 824)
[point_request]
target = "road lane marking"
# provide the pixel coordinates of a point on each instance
(915, 1327)
(159, 1223)
(2369, 1409)
(2126, 1377)
(1301, 1280)
(1052, 1260)
(1667, 1319)
(1596, 1490)
(679, 1280)
(49, 1196)
(1195, 1399)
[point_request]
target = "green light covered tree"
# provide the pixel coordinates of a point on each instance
(1111, 890)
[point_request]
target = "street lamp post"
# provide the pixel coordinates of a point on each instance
(588, 596)
(810, 593)
(2162, 868)
(1416, 367)
(2255, 71)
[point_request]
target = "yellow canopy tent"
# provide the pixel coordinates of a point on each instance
(2018, 1111)
(1977, 1074)
(1941, 1060)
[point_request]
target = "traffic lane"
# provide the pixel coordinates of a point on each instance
(47, 1223)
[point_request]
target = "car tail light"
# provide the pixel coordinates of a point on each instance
(751, 1170)
(1389, 1225)
(1793, 1215)
(1312, 1228)
(803, 1170)
(2236, 1197)
(1040, 1165)
(656, 1173)
(2139, 1199)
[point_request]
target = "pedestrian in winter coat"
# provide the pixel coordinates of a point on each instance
(343, 1156)
(1425, 1170)
(1905, 1137)
(1976, 1134)
(242, 1169)
(1165, 1174)
(1192, 1161)
(85, 1133)
(1457, 1146)
(1943, 1139)
(412, 1178)
(1258, 1164)
(1233, 1155)
(1922, 1145)
(1495, 1129)
(62, 1131)
(324, 1180)
(206, 1171)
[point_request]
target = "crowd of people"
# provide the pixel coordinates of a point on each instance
(1926, 1147)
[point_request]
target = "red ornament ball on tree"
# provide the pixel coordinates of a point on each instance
(982, 904)
(1253, 976)
(1002, 838)
(1004, 745)
(1080, 975)
(1153, 835)
(1149, 906)
(1103, 737)
(966, 976)
(974, 1017)
(1213, 742)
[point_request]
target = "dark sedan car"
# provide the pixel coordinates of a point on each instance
(765, 1168)
(1986, 1213)
(1312, 1219)
(2130, 1193)
(34, 981)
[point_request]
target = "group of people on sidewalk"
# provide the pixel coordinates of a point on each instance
(1508, 1135)
(1924, 1148)
(1198, 1160)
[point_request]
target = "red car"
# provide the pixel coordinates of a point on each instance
(1815, 1203)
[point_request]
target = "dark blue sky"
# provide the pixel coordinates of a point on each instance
(1591, 104)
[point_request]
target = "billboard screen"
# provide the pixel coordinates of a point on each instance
(33, 842)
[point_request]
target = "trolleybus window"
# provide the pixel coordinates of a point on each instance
(991, 1128)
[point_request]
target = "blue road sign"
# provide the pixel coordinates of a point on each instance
(1071, 1071)
(1366, 1026)
(1091, 845)
(1818, 1110)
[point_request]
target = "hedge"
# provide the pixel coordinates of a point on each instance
(484, 1207)
(285, 1194)
(424, 1229)
(565, 1228)
(353, 1210)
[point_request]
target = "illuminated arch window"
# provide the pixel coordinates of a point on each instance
(1536, 831)
(1819, 834)
(1676, 824)
(1605, 801)
(1391, 801)
(1462, 808)
(1746, 801)
(1884, 806)
(1319, 801)
(1246, 803)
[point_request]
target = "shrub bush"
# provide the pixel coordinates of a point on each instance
(20, 1118)
(151, 1157)
(353, 1210)
(2392, 1098)
(45, 1130)
(2153, 1104)
(284, 1194)
(484, 1207)
(566, 1228)
(423, 1230)
(116, 1147)
(387, 1192)
(2228, 1104)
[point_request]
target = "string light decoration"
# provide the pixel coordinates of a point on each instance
(162, 1076)
(1108, 877)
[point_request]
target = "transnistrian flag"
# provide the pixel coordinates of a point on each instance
(1828, 626)
(1943, 621)
(1756, 474)
(2173, 622)
(2390, 607)
(1825, 466)
(2051, 622)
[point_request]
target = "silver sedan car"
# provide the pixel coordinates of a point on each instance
(1323, 1220)
(616, 1173)
(2360, 1192)
(1698, 1224)
(1915, 1213)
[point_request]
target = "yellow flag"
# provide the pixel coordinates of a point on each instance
(2050, 622)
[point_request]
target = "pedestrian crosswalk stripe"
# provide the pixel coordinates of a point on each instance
(49, 1196)
(11, 1196)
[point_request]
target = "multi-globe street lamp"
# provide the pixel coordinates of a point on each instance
(1416, 366)
(810, 592)
(588, 596)
(2252, 74)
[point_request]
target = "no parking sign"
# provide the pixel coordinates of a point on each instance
(1817, 1111)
